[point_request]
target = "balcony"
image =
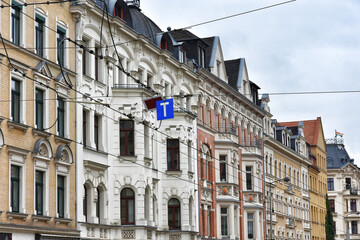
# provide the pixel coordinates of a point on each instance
(226, 190)
(290, 223)
(133, 88)
(354, 191)
(184, 111)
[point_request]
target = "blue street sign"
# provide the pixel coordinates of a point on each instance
(165, 109)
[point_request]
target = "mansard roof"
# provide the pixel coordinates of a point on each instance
(337, 156)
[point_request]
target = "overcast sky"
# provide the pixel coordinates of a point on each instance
(305, 45)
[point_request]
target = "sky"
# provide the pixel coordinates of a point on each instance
(300, 46)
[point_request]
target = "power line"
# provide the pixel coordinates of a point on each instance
(235, 15)
(33, 4)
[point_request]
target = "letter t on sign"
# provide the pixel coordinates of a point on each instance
(165, 109)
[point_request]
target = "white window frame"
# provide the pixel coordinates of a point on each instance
(46, 106)
(64, 26)
(18, 77)
(22, 23)
(40, 12)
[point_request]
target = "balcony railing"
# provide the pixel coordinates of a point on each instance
(130, 86)
(354, 191)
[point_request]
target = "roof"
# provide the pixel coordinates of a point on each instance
(337, 156)
(211, 50)
(234, 71)
(311, 129)
(183, 35)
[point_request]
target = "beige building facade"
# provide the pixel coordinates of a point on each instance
(37, 123)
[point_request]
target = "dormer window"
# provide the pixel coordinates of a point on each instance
(163, 44)
(201, 55)
(182, 54)
(283, 138)
(118, 12)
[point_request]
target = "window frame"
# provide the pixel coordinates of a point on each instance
(126, 201)
(16, 105)
(173, 151)
(330, 184)
(15, 191)
(60, 50)
(250, 222)
(96, 131)
(16, 22)
(39, 188)
(60, 205)
(174, 211)
(39, 34)
(39, 115)
(61, 119)
(224, 225)
(249, 180)
(129, 150)
(223, 168)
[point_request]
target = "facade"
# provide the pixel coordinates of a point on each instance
(286, 155)
(137, 176)
(343, 178)
(228, 138)
(37, 153)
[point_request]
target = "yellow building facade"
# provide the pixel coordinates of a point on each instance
(37, 122)
(286, 166)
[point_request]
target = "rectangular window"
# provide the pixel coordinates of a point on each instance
(354, 227)
(224, 222)
(84, 58)
(97, 62)
(353, 205)
(39, 192)
(223, 168)
(61, 196)
(15, 188)
(61, 117)
(182, 54)
(39, 35)
(250, 222)
(249, 178)
(39, 107)
(348, 183)
(16, 22)
(126, 138)
(332, 205)
(173, 158)
(330, 182)
(60, 35)
(96, 132)
(201, 55)
(15, 100)
(84, 127)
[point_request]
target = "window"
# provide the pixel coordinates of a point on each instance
(15, 100)
(182, 54)
(190, 156)
(126, 138)
(15, 22)
(60, 35)
(85, 203)
(250, 221)
(353, 205)
(127, 207)
(208, 166)
(249, 178)
(332, 205)
(164, 44)
(201, 53)
(224, 222)
(118, 12)
(354, 227)
(223, 168)
(39, 192)
(85, 58)
(84, 128)
(98, 203)
(96, 132)
(330, 182)
(39, 35)
(15, 188)
(348, 183)
(61, 196)
(174, 214)
(39, 99)
(97, 62)
(173, 160)
(61, 117)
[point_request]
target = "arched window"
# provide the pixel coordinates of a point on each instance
(223, 121)
(163, 44)
(200, 110)
(174, 214)
(118, 12)
(275, 169)
(147, 203)
(127, 207)
(191, 202)
(208, 113)
(85, 203)
(216, 117)
(208, 166)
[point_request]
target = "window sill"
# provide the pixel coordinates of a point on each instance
(37, 218)
(12, 215)
(62, 140)
(63, 220)
(41, 133)
(17, 125)
(174, 172)
(125, 158)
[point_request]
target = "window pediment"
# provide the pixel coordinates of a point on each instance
(43, 70)
(17, 154)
